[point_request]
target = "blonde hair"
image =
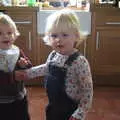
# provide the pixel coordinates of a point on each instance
(7, 20)
(64, 20)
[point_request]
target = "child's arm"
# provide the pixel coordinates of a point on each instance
(21, 75)
(33, 72)
(85, 91)
(30, 73)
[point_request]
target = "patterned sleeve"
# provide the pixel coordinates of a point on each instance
(39, 70)
(85, 92)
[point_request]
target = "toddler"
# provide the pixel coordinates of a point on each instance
(13, 100)
(68, 79)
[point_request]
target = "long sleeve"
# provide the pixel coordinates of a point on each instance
(40, 70)
(37, 71)
(80, 87)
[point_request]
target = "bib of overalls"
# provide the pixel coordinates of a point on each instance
(55, 86)
(9, 88)
(8, 58)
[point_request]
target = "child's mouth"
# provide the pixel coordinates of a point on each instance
(6, 42)
(59, 46)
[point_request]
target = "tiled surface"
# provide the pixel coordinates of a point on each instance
(106, 103)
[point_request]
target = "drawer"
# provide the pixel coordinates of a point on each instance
(20, 18)
(107, 19)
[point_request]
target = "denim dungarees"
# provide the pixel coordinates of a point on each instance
(60, 106)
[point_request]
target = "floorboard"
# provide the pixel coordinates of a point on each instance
(106, 103)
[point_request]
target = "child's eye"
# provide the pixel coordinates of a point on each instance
(0, 33)
(54, 35)
(65, 35)
(9, 33)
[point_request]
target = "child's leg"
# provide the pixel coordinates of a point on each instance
(20, 107)
(54, 113)
(5, 111)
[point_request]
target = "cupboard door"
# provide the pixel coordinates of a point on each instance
(25, 42)
(107, 51)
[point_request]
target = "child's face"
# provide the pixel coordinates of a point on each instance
(63, 42)
(7, 36)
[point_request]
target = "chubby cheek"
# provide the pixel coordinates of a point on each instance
(13, 38)
(53, 44)
(1, 46)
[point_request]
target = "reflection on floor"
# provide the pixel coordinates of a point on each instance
(37, 101)
(106, 103)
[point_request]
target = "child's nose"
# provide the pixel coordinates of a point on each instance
(59, 38)
(5, 35)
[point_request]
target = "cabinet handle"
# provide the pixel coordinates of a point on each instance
(30, 44)
(97, 40)
(23, 22)
(84, 48)
(112, 23)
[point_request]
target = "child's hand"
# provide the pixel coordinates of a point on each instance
(21, 75)
(23, 62)
(72, 118)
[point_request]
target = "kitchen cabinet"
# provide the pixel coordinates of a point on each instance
(26, 21)
(105, 51)
(43, 50)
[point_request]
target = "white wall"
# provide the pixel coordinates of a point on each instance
(85, 20)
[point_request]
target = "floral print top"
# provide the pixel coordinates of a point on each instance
(78, 82)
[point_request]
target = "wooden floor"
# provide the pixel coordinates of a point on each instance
(106, 103)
